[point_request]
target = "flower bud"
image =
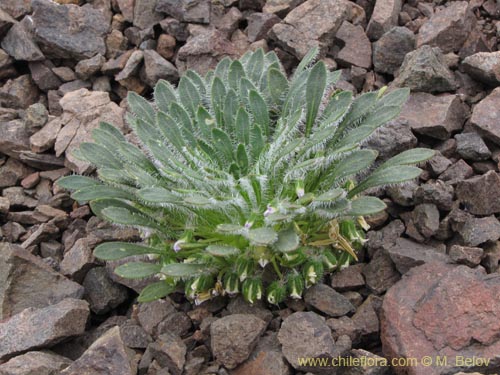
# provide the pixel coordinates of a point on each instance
(276, 292)
(295, 285)
(313, 272)
(294, 258)
(299, 188)
(252, 289)
(231, 283)
(329, 260)
(244, 267)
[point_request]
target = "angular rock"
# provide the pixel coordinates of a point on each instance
(16, 8)
(457, 172)
(425, 70)
(107, 355)
(347, 279)
(197, 11)
(380, 274)
(483, 66)
(78, 260)
(20, 92)
(145, 15)
(87, 68)
(312, 24)
(425, 220)
(392, 139)
(436, 192)
(131, 66)
(390, 50)
(470, 256)
(280, 7)
(35, 363)
(366, 320)
(156, 68)
(259, 25)
(68, 30)
(435, 116)
(15, 138)
(407, 254)
(266, 359)
(238, 305)
(234, 337)
(170, 352)
(46, 138)
(471, 146)
(127, 9)
(328, 301)
(42, 75)
(6, 22)
(402, 194)
(384, 17)
(101, 293)
(19, 43)
(476, 231)
(26, 281)
(415, 324)
(305, 335)
(478, 194)
(35, 328)
(166, 46)
(153, 313)
(357, 49)
(448, 28)
(36, 117)
(133, 335)
(485, 115)
(204, 51)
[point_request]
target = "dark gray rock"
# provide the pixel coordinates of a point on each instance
(407, 254)
(87, 68)
(423, 222)
(390, 50)
(19, 42)
(69, 30)
(6, 22)
(448, 28)
(485, 115)
(313, 23)
(145, 15)
(195, 11)
(357, 49)
(16, 8)
(471, 146)
(156, 68)
(476, 231)
(457, 172)
(392, 139)
(102, 294)
(349, 278)
(436, 192)
(483, 66)
(328, 301)
(366, 320)
(170, 352)
(259, 25)
(152, 313)
(19, 92)
(470, 256)
(134, 336)
(380, 273)
(238, 305)
(435, 116)
(35, 363)
(479, 195)
(35, 328)
(15, 138)
(402, 194)
(107, 355)
(384, 17)
(425, 70)
(42, 75)
(234, 337)
(280, 7)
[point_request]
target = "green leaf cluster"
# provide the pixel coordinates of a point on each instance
(239, 171)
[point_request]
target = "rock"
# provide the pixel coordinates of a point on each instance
(434, 116)
(18, 199)
(390, 50)
(485, 114)
(64, 31)
(101, 293)
(204, 51)
(478, 194)
(305, 335)
(234, 337)
(78, 260)
(483, 66)
(407, 254)
(153, 313)
(4, 206)
(439, 163)
(349, 278)
(15, 138)
(280, 7)
(6, 22)
(259, 25)
(414, 324)
(166, 46)
(156, 68)
(20, 92)
(470, 256)
(34, 328)
(425, 70)
(448, 28)
(131, 67)
(170, 352)
(266, 359)
(328, 301)
(357, 49)
(384, 17)
(134, 336)
(85, 110)
(16, 8)
(36, 117)
(107, 355)
(175, 28)
(312, 24)
(46, 138)
(26, 281)
(19, 43)
(127, 9)
(197, 11)
(145, 15)
(457, 172)
(42, 75)
(402, 194)
(367, 363)
(471, 146)
(425, 220)
(476, 231)
(380, 273)
(35, 363)
(436, 192)
(87, 68)
(366, 320)
(238, 305)
(392, 139)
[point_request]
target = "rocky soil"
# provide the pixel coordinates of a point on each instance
(428, 282)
